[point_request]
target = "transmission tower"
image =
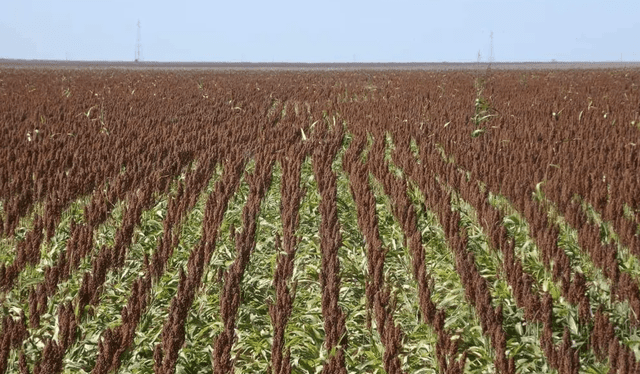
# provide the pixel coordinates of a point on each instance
(491, 55)
(138, 45)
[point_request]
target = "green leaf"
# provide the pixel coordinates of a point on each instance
(572, 324)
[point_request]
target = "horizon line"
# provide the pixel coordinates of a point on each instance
(447, 65)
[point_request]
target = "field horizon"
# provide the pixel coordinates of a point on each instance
(428, 66)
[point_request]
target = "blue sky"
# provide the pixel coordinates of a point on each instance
(322, 31)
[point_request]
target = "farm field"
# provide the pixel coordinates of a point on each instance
(374, 221)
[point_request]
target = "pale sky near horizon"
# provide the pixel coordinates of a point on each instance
(322, 31)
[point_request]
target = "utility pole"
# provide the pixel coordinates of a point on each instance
(138, 45)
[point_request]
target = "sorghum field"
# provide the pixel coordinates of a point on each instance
(319, 222)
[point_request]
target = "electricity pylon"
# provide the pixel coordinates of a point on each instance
(491, 55)
(138, 45)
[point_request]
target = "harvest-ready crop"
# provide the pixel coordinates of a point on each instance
(309, 221)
